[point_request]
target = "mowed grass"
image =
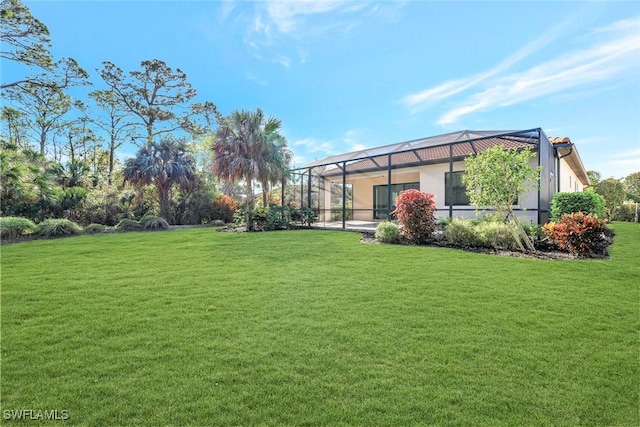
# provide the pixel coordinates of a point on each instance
(309, 327)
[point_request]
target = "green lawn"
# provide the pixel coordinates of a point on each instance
(196, 327)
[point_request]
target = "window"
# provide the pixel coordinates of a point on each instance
(381, 194)
(456, 194)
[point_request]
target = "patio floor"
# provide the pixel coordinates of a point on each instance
(352, 225)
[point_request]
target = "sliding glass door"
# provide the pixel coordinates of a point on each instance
(381, 197)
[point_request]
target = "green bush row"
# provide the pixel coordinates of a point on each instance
(277, 217)
(18, 227)
(12, 227)
(484, 234)
(587, 202)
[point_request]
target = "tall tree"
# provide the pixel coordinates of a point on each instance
(277, 157)
(594, 178)
(164, 164)
(15, 126)
(44, 103)
(497, 177)
(152, 95)
(614, 194)
(24, 39)
(632, 183)
(114, 120)
(44, 107)
(249, 148)
(78, 136)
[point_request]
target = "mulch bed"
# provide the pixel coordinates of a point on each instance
(546, 252)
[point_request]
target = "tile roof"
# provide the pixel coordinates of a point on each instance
(435, 149)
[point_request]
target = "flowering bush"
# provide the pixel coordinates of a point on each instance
(579, 233)
(415, 211)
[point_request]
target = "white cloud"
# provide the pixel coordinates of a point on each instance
(255, 79)
(612, 56)
(621, 167)
(318, 149)
(226, 7)
(312, 145)
(420, 100)
(287, 14)
(277, 23)
(611, 163)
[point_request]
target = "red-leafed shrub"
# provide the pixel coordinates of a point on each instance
(223, 208)
(415, 211)
(579, 233)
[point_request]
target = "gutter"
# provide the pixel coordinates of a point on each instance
(568, 145)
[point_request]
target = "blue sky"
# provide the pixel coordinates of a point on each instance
(345, 75)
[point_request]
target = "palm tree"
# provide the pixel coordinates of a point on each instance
(277, 158)
(163, 164)
(251, 149)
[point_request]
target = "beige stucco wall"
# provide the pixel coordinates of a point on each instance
(569, 183)
(363, 189)
(432, 180)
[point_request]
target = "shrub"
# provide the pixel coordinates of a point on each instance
(587, 202)
(626, 212)
(613, 193)
(461, 232)
(415, 211)
(58, 227)
(154, 223)
(101, 207)
(578, 233)
(387, 232)
(534, 231)
(336, 212)
(496, 235)
(259, 216)
(278, 217)
(305, 216)
(205, 206)
(308, 216)
(483, 233)
(12, 227)
(224, 208)
(94, 229)
(127, 224)
(240, 217)
(146, 217)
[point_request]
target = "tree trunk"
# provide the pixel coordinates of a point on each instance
(522, 238)
(249, 206)
(163, 200)
(265, 187)
(110, 172)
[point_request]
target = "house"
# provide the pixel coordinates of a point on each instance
(362, 185)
